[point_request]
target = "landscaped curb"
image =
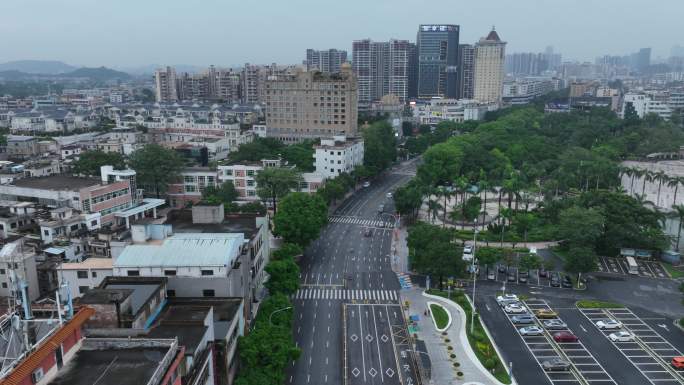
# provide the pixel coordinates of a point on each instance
(466, 344)
(676, 323)
(434, 322)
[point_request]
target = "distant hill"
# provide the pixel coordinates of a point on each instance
(46, 67)
(101, 73)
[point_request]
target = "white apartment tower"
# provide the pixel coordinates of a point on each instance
(165, 81)
(490, 53)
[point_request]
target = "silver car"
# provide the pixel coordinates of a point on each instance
(531, 331)
(556, 364)
(554, 324)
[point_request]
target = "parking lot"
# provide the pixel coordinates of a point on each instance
(649, 352)
(647, 268)
(511, 276)
(584, 369)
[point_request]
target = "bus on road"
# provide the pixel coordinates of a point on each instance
(632, 267)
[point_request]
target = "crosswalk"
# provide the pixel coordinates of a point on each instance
(360, 221)
(346, 294)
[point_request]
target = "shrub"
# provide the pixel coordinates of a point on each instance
(489, 364)
(452, 355)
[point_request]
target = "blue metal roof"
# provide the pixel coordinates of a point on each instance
(185, 250)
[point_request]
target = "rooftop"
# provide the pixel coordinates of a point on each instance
(181, 222)
(57, 182)
(123, 362)
(90, 263)
(191, 250)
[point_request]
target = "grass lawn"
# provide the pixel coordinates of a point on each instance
(589, 304)
(439, 314)
(479, 341)
(673, 271)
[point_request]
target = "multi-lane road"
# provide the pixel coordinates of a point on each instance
(348, 322)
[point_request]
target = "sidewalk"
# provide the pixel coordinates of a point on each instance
(442, 370)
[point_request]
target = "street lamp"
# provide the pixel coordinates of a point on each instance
(472, 268)
(271, 315)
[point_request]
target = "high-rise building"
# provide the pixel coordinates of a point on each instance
(382, 68)
(526, 63)
(413, 71)
(466, 68)
(308, 105)
(328, 61)
(165, 83)
(642, 60)
(438, 60)
(490, 53)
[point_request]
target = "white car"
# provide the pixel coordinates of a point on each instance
(508, 297)
(621, 337)
(467, 250)
(531, 331)
(515, 309)
(608, 324)
(389, 195)
(366, 184)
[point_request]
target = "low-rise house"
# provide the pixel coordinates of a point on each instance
(83, 276)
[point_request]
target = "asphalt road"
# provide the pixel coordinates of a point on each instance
(343, 267)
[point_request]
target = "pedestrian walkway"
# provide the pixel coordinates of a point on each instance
(346, 294)
(360, 221)
(405, 281)
(442, 370)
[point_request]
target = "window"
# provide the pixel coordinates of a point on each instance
(2, 271)
(170, 293)
(83, 289)
(37, 375)
(228, 172)
(4, 285)
(46, 232)
(170, 272)
(93, 223)
(82, 274)
(250, 172)
(133, 273)
(250, 183)
(74, 227)
(207, 293)
(207, 272)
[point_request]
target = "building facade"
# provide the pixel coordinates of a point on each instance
(437, 47)
(327, 61)
(337, 155)
(490, 53)
(381, 68)
(466, 69)
(165, 82)
(309, 105)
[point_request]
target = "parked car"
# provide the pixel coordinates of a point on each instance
(515, 309)
(522, 319)
(545, 313)
(565, 337)
(506, 297)
(608, 324)
(511, 277)
(366, 184)
(678, 362)
(491, 274)
(554, 324)
(531, 331)
(567, 281)
(389, 195)
(556, 364)
(502, 269)
(621, 337)
(543, 273)
(522, 276)
(555, 280)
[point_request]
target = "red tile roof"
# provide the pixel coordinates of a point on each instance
(33, 361)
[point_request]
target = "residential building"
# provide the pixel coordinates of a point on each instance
(381, 68)
(646, 103)
(437, 47)
(165, 84)
(327, 61)
(526, 63)
(193, 181)
(490, 53)
(337, 155)
(21, 146)
(466, 68)
(436, 110)
(83, 276)
(308, 105)
(243, 176)
(524, 90)
(18, 271)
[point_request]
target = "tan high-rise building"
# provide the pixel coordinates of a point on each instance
(308, 105)
(165, 82)
(490, 54)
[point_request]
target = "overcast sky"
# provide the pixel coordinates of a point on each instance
(125, 33)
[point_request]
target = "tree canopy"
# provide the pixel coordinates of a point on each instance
(89, 162)
(156, 167)
(300, 218)
(276, 182)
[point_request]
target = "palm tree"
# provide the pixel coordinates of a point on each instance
(679, 210)
(622, 171)
(484, 187)
(660, 177)
(446, 192)
(433, 209)
(648, 177)
(634, 172)
(641, 200)
(675, 182)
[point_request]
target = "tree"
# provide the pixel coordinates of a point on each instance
(276, 182)
(523, 223)
(224, 193)
(660, 177)
(530, 262)
(380, 148)
(675, 182)
(301, 155)
(441, 163)
(488, 256)
(679, 211)
(283, 276)
(433, 209)
(631, 116)
(333, 190)
(648, 177)
(286, 251)
(156, 166)
(472, 207)
(408, 199)
(431, 251)
(580, 227)
(580, 260)
(300, 218)
(89, 162)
